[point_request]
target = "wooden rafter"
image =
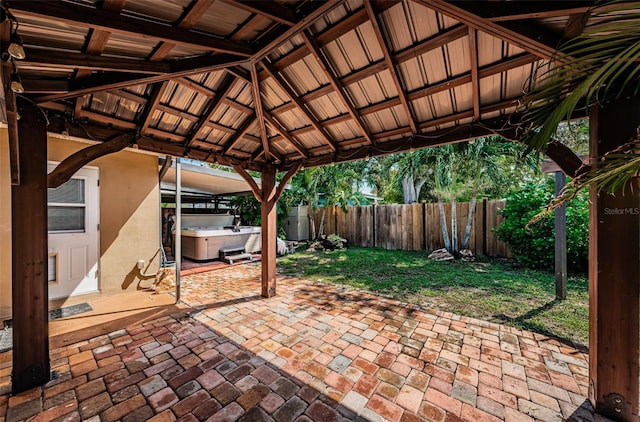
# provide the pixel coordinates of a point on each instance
(475, 79)
(337, 86)
(187, 21)
(95, 46)
(271, 10)
(514, 33)
(278, 38)
(91, 62)
(509, 11)
(333, 32)
(257, 105)
(283, 132)
(391, 66)
(157, 91)
(280, 81)
(109, 80)
(240, 133)
(223, 90)
(90, 17)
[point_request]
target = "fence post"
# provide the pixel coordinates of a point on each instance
(484, 226)
(373, 222)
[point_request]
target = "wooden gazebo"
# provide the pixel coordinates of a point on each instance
(279, 86)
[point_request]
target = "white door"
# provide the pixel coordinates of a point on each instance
(73, 218)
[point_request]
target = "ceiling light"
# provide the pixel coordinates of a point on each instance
(16, 83)
(16, 49)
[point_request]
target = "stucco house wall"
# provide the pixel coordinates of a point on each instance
(129, 216)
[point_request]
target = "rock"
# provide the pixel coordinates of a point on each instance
(441, 255)
(467, 255)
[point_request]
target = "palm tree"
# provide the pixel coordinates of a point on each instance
(599, 65)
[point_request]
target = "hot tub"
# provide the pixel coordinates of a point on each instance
(203, 243)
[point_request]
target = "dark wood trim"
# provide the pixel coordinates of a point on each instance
(30, 307)
(564, 157)
(105, 20)
(504, 11)
(70, 165)
(335, 84)
(280, 81)
(270, 10)
(391, 66)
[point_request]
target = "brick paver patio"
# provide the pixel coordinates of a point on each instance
(312, 353)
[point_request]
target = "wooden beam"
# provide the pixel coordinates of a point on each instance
(475, 79)
(157, 91)
(257, 105)
(30, 305)
(499, 126)
(240, 132)
(168, 160)
(282, 185)
(540, 45)
(614, 264)
(321, 9)
(504, 11)
(10, 105)
(285, 134)
(391, 66)
(70, 165)
(271, 10)
(92, 62)
(255, 189)
(116, 80)
(564, 157)
(223, 90)
(90, 17)
(335, 83)
(187, 21)
(279, 80)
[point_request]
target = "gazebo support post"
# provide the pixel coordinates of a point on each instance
(614, 264)
(269, 231)
(31, 366)
(268, 196)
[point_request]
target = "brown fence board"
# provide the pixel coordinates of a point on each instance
(415, 226)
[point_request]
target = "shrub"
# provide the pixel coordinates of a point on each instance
(534, 246)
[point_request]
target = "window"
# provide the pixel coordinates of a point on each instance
(66, 207)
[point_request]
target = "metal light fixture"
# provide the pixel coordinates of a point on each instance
(16, 49)
(16, 83)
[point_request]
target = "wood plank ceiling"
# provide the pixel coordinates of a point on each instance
(255, 82)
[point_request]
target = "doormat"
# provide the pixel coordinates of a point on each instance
(6, 335)
(6, 339)
(68, 311)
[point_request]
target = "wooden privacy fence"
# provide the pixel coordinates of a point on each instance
(415, 227)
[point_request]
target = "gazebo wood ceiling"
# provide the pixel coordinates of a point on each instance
(287, 83)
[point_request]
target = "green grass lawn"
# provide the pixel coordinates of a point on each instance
(493, 290)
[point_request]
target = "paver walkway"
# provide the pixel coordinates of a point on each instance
(312, 353)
